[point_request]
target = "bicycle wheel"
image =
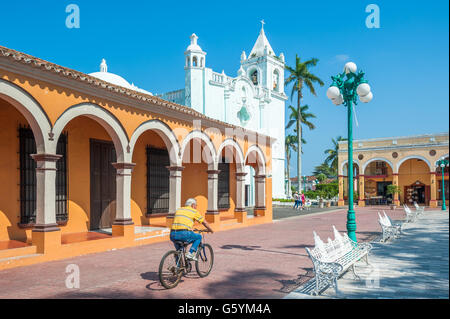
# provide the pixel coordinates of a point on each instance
(170, 269)
(205, 260)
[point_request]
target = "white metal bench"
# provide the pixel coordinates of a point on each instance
(331, 260)
(390, 229)
(410, 215)
(418, 208)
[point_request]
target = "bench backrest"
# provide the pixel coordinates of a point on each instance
(387, 219)
(407, 210)
(333, 249)
(383, 220)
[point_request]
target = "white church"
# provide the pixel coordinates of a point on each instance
(253, 99)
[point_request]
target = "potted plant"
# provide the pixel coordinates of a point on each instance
(392, 190)
(321, 195)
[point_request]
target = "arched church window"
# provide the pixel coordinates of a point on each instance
(276, 80)
(254, 77)
(201, 62)
(243, 94)
(194, 61)
(188, 62)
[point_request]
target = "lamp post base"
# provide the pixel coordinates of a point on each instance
(351, 225)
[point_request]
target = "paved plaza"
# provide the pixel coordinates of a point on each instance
(416, 265)
(264, 261)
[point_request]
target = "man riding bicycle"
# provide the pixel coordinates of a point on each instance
(182, 227)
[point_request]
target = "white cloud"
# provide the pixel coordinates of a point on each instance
(342, 57)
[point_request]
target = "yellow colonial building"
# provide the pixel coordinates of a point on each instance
(408, 162)
(89, 165)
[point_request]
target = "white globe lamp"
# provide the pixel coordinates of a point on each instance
(333, 92)
(366, 98)
(363, 89)
(350, 67)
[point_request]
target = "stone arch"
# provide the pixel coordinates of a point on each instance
(404, 159)
(166, 135)
(378, 159)
(32, 111)
(443, 157)
(210, 156)
(246, 80)
(239, 154)
(276, 76)
(341, 168)
(258, 75)
(260, 155)
(109, 122)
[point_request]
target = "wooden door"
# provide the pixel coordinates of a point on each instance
(427, 195)
(103, 184)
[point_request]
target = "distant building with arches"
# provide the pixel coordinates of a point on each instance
(408, 162)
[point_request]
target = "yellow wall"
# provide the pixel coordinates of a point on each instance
(139, 179)
(10, 119)
(80, 130)
(411, 171)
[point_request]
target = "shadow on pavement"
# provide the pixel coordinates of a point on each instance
(258, 248)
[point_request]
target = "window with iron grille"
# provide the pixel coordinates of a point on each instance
(61, 179)
(223, 201)
(27, 147)
(157, 181)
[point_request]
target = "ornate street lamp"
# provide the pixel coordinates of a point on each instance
(343, 90)
(442, 163)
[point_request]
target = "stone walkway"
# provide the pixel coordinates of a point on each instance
(416, 265)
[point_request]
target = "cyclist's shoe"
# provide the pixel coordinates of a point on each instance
(191, 256)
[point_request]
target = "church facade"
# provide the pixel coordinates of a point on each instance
(253, 99)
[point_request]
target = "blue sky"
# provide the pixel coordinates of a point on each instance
(405, 60)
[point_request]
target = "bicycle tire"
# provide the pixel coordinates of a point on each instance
(204, 251)
(177, 276)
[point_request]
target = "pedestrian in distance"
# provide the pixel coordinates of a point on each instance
(296, 200)
(302, 200)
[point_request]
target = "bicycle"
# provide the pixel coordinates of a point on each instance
(174, 263)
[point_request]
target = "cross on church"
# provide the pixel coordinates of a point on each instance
(262, 23)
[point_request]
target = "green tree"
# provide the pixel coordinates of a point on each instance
(332, 158)
(324, 169)
(300, 76)
(321, 177)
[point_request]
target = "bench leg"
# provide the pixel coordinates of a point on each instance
(335, 284)
(354, 273)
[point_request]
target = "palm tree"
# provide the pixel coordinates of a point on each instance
(299, 76)
(304, 116)
(290, 143)
(333, 154)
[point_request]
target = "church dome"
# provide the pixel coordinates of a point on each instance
(115, 79)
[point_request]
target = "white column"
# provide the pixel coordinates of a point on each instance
(213, 190)
(45, 192)
(240, 192)
(260, 181)
(174, 188)
(123, 193)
